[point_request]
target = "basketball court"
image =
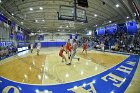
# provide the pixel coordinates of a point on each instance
(41, 44)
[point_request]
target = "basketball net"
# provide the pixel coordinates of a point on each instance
(71, 24)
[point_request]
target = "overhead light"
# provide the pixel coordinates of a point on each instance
(110, 21)
(41, 8)
(96, 25)
(31, 9)
(36, 20)
(12, 14)
(117, 5)
(22, 23)
(43, 20)
(95, 15)
(0, 1)
(127, 17)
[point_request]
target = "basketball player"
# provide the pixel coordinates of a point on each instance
(68, 48)
(74, 50)
(61, 54)
(32, 46)
(103, 47)
(84, 46)
(38, 48)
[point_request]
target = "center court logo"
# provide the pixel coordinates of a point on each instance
(113, 80)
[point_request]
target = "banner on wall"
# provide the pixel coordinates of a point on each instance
(111, 29)
(131, 27)
(100, 31)
(5, 43)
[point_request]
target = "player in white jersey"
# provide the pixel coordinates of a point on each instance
(74, 51)
(38, 48)
(32, 47)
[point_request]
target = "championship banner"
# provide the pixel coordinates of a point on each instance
(111, 29)
(101, 31)
(131, 27)
(114, 80)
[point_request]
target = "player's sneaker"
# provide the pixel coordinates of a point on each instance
(78, 59)
(68, 64)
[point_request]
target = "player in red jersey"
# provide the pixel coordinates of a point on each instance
(61, 54)
(68, 48)
(84, 46)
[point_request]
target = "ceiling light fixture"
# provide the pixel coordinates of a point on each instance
(22, 23)
(117, 5)
(127, 17)
(12, 14)
(43, 20)
(31, 9)
(110, 21)
(95, 15)
(36, 20)
(41, 8)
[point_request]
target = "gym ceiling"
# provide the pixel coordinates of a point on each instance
(41, 15)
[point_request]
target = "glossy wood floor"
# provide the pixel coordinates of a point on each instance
(47, 68)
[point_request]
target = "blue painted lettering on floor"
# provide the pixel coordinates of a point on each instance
(114, 80)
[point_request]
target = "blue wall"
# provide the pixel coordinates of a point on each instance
(52, 44)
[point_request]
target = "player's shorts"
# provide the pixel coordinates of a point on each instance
(84, 48)
(68, 49)
(61, 55)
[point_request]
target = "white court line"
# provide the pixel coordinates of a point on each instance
(45, 63)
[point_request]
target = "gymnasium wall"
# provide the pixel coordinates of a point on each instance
(54, 40)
